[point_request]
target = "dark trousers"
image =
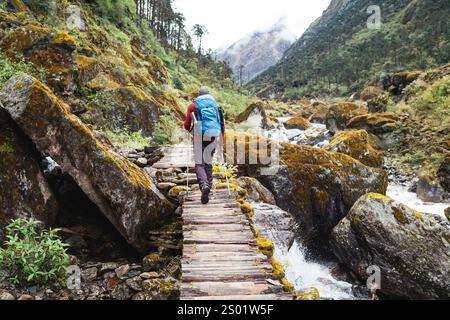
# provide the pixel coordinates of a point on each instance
(204, 155)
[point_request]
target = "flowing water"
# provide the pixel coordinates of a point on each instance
(402, 195)
(279, 226)
(300, 271)
(304, 274)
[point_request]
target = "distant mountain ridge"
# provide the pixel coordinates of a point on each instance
(257, 51)
(339, 54)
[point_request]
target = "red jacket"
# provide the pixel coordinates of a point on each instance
(188, 122)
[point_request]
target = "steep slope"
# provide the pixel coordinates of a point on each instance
(339, 54)
(258, 51)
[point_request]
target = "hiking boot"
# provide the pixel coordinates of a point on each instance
(205, 195)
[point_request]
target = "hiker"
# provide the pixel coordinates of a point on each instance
(205, 120)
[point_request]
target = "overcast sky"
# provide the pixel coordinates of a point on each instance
(229, 20)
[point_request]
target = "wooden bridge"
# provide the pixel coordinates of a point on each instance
(221, 259)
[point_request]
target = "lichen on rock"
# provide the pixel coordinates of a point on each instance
(124, 193)
(411, 248)
(359, 145)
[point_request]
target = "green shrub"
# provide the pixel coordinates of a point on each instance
(167, 131)
(32, 256)
(126, 139)
(415, 158)
(6, 148)
(178, 84)
(9, 68)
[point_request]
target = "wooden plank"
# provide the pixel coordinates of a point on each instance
(227, 277)
(266, 297)
(221, 260)
(223, 288)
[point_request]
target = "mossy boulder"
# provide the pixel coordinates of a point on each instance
(124, 193)
(376, 98)
(22, 38)
(359, 145)
(400, 80)
(430, 190)
(24, 192)
(377, 123)
(409, 247)
(255, 190)
(370, 93)
(254, 115)
(297, 122)
(443, 173)
(317, 186)
(88, 68)
(318, 112)
(340, 113)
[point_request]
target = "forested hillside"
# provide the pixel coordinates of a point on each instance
(110, 60)
(339, 54)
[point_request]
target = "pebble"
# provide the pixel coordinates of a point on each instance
(166, 185)
(122, 271)
(142, 162)
(134, 283)
(25, 297)
(109, 266)
(6, 296)
(150, 275)
(90, 274)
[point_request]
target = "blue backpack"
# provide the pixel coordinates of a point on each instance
(208, 111)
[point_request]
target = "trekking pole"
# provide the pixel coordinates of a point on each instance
(226, 171)
(228, 182)
(189, 152)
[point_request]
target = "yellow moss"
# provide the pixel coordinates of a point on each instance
(400, 216)
(63, 38)
(240, 191)
(379, 196)
(311, 294)
(59, 110)
(287, 286)
(418, 215)
(248, 210)
(175, 191)
(297, 122)
(265, 246)
(278, 269)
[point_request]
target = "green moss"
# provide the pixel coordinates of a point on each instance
(6, 148)
(175, 191)
(400, 216)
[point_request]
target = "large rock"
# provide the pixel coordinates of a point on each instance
(359, 145)
(370, 93)
(376, 99)
(254, 115)
(429, 189)
(124, 193)
(378, 123)
(398, 81)
(297, 122)
(318, 187)
(275, 224)
(24, 192)
(340, 113)
(317, 112)
(255, 190)
(443, 173)
(410, 248)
